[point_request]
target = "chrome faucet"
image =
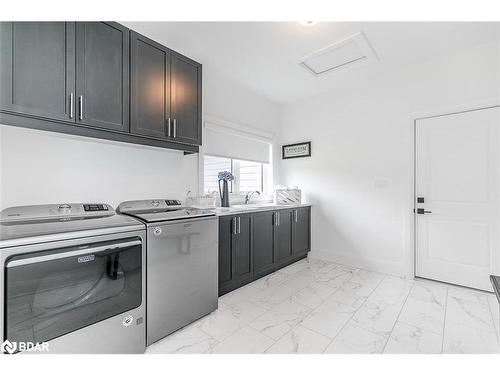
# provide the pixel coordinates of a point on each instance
(247, 197)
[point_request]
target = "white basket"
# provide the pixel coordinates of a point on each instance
(287, 196)
(201, 201)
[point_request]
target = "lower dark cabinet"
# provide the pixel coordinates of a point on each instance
(301, 231)
(263, 241)
(225, 253)
(235, 251)
(256, 244)
(283, 235)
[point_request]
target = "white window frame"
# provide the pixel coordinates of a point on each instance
(247, 131)
(234, 186)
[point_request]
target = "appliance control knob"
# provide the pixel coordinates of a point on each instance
(155, 203)
(64, 207)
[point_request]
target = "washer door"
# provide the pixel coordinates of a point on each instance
(52, 293)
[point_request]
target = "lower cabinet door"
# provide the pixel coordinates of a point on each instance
(225, 251)
(301, 231)
(242, 250)
(283, 236)
(235, 252)
(263, 241)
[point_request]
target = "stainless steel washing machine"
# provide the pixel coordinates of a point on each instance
(182, 263)
(72, 278)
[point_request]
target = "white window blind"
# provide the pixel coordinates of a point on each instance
(236, 146)
(249, 175)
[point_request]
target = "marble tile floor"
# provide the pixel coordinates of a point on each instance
(314, 306)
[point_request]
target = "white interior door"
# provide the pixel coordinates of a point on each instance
(457, 175)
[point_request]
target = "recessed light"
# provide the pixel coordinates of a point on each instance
(308, 23)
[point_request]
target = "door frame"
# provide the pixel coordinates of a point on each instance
(411, 224)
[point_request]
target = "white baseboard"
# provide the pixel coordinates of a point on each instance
(370, 264)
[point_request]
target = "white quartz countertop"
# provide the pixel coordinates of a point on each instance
(248, 208)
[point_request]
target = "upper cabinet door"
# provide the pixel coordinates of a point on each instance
(37, 69)
(102, 75)
(149, 87)
(185, 91)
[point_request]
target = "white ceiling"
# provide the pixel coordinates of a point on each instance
(264, 56)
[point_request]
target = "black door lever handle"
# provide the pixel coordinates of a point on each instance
(421, 211)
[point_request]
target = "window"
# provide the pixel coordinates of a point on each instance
(249, 175)
(214, 165)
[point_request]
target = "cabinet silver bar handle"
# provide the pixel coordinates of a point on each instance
(234, 225)
(295, 213)
(175, 128)
(169, 127)
(71, 105)
(80, 102)
(239, 224)
(279, 219)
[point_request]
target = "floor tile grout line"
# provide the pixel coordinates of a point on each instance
(247, 300)
(248, 324)
(444, 321)
(268, 310)
(354, 313)
(482, 329)
(239, 327)
(311, 310)
(397, 319)
(497, 329)
(307, 315)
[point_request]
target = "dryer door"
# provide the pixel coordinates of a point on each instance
(52, 293)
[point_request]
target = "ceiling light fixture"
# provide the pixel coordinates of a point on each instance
(308, 23)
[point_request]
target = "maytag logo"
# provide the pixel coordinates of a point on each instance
(86, 258)
(9, 347)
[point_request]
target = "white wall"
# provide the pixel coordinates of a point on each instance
(42, 167)
(360, 175)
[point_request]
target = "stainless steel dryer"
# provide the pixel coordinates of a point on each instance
(72, 276)
(182, 263)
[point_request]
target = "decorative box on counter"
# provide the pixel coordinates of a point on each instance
(287, 196)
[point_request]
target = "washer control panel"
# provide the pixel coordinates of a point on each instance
(56, 212)
(172, 202)
(95, 207)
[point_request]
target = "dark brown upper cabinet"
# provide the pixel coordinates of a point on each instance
(102, 75)
(165, 92)
(149, 87)
(101, 80)
(185, 93)
(37, 69)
